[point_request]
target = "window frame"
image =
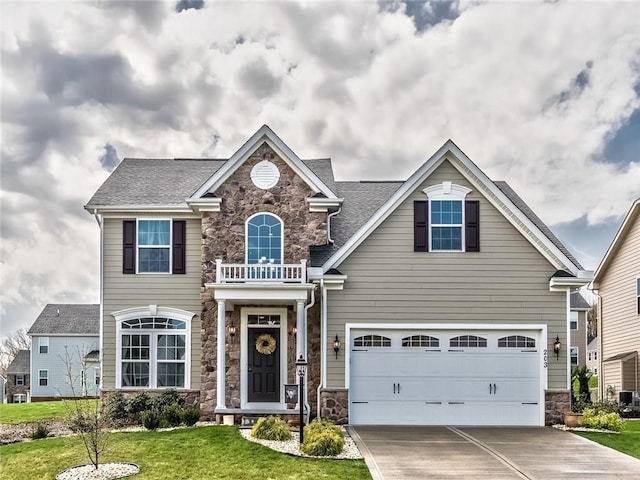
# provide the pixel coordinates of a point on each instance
(447, 191)
(22, 380)
(638, 296)
(571, 356)
(21, 396)
(43, 343)
(168, 247)
(572, 321)
(246, 238)
(45, 377)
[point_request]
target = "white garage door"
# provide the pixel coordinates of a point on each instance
(452, 377)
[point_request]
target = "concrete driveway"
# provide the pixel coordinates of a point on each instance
(479, 453)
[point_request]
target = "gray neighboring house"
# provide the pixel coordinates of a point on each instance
(65, 343)
(592, 356)
(18, 374)
(3, 383)
(579, 331)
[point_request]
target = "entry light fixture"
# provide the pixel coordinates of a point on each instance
(293, 331)
(336, 346)
(232, 330)
(556, 347)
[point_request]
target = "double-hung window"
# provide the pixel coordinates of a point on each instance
(43, 344)
(638, 295)
(574, 356)
(19, 379)
(574, 320)
(43, 378)
(154, 246)
(446, 225)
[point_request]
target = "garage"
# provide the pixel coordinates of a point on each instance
(445, 377)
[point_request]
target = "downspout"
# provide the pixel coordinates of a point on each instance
(100, 345)
(329, 239)
(323, 344)
(601, 387)
(307, 406)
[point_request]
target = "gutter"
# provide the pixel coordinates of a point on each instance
(329, 239)
(307, 406)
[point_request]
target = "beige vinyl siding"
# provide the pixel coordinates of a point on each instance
(166, 290)
(611, 371)
(506, 282)
(620, 327)
(579, 338)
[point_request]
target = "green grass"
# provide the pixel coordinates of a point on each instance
(215, 452)
(13, 413)
(593, 383)
(627, 442)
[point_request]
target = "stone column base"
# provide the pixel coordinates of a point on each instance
(334, 405)
(557, 403)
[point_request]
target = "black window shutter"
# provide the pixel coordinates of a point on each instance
(179, 246)
(129, 246)
(472, 225)
(421, 226)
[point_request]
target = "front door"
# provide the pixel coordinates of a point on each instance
(264, 365)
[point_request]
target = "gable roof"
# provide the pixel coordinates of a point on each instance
(21, 364)
(265, 135)
(630, 219)
(67, 319)
(578, 302)
(530, 228)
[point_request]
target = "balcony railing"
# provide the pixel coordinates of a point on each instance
(261, 272)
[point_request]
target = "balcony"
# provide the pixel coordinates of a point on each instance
(261, 273)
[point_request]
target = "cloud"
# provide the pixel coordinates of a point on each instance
(189, 4)
(109, 159)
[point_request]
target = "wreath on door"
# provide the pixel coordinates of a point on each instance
(266, 344)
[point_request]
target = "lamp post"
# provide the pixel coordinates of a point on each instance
(301, 368)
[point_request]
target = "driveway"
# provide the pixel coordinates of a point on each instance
(479, 453)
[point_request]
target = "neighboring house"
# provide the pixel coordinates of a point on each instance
(3, 383)
(592, 357)
(578, 326)
(437, 300)
(65, 339)
(617, 284)
(18, 378)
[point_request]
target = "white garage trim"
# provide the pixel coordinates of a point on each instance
(541, 330)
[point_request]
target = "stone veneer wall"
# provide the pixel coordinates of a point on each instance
(557, 403)
(223, 237)
(335, 405)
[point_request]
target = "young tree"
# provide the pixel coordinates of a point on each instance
(11, 345)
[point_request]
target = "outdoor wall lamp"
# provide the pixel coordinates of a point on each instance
(232, 330)
(556, 347)
(293, 331)
(336, 346)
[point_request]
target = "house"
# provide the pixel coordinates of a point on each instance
(578, 326)
(616, 282)
(3, 392)
(17, 386)
(436, 300)
(65, 341)
(592, 357)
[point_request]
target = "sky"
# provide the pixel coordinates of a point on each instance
(543, 95)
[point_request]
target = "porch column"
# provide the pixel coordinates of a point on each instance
(220, 364)
(301, 326)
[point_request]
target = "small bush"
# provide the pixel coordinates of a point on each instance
(322, 438)
(79, 423)
(138, 404)
(606, 421)
(190, 415)
(40, 430)
(116, 409)
(166, 399)
(172, 415)
(150, 420)
(271, 428)
(607, 406)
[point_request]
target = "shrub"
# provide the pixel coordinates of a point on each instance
(271, 428)
(166, 399)
(606, 421)
(116, 409)
(172, 415)
(40, 430)
(138, 404)
(607, 406)
(190, 415)
(322, 438)
(79, 423)
(150, 419)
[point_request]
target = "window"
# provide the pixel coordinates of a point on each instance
(264, 239)
(574, 355)
(447, 221)
(420, 341)
(43, 378)
(595, 371)
(153, 353)
(595, 355)
(638, 295)
(96, 375)
(43, 344)
(516, 341)
(589, 356)
(372, 341)
(19, 398)
(468, 341)
(573, 320)
(19, 379)
(154, 246)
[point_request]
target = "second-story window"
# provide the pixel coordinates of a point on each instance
(43, 344)
(264, 239)
(154, 246)
(574, 320)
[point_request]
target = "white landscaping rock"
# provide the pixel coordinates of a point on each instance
(105, 471)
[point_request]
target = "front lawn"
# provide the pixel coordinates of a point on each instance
(215, 452)
(626, 442)
(13, 413)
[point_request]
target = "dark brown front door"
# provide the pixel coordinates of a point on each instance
(264, 365)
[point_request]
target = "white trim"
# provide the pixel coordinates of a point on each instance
(246, 236)
(322, 204)
(43, 342)
(480, 181)
(139, 208)
(204, 204)
(264, 134)
(244, 355)
(542, 345)
(169, 247)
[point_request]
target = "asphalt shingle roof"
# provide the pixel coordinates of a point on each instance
(21, 364)
(578, 302)
(60, 319)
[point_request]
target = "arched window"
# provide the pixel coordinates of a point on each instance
(420, 341)
(468, 341)
(153, 348)
(264, 239)
(516, 341)
(372, 341)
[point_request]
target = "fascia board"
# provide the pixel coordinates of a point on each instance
(249, 147)
(477, 178)
(105, 209)
(571, 282)
(604, 264)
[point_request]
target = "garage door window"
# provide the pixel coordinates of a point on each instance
(468, 341)
(372, 341)
(420, 341)
(516, 341)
